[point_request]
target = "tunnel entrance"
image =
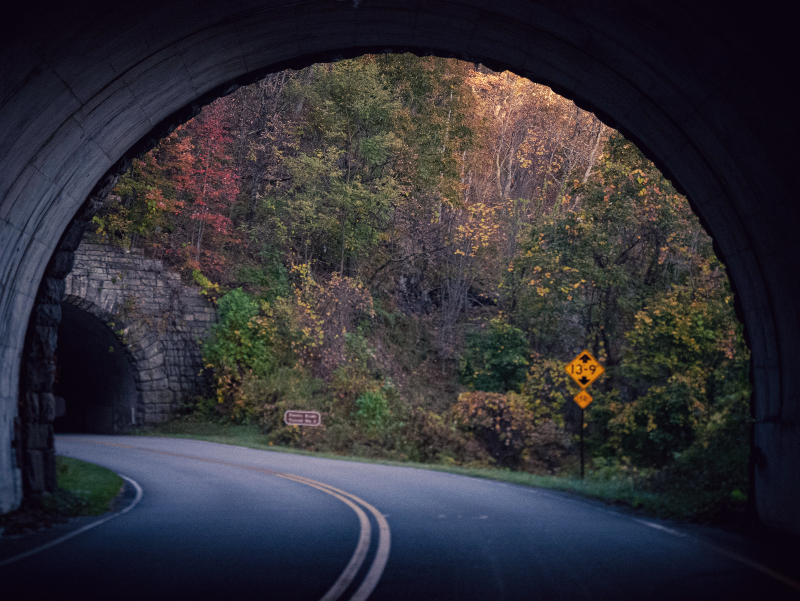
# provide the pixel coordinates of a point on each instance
(94, 376)
(676, 76)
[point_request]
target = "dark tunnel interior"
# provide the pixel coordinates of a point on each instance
(94, 376)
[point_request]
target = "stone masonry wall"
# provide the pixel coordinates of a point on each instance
(159, 321)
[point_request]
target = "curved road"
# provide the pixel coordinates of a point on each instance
(223, 522)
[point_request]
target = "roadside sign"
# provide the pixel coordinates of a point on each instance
(584, 369)
(302, 418)
(583, 399)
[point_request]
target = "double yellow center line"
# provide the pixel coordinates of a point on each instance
(355, 503)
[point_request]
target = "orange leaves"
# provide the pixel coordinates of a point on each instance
(478, 228)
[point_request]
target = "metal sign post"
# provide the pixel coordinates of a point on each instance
(584, 369)
(582, 443)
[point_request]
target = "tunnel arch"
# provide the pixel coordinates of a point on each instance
(96, 373)
(87, 86)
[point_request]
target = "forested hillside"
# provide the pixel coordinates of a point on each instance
(415, 247)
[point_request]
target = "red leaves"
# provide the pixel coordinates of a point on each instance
(217, 221)
(206, 180)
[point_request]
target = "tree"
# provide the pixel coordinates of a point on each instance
(688, 360)
(495, 359)
(446, 225)
(209, 181)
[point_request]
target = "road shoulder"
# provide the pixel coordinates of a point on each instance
(12, 546)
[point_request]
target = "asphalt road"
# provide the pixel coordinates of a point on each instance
(223, 522)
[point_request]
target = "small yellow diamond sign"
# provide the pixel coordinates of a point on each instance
(584, 369)
(583, 399)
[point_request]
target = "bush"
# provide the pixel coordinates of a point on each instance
(433, 438)
(710, 477)
(687, 357)
(372, 412)
(239, 346)
(547, 448)
(502, 423)
(495, 358)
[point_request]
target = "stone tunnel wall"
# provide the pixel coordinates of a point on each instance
(159, 321)
(701, 85)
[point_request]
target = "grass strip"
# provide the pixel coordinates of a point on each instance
(620, 492)
(96, 486)
(83, 489)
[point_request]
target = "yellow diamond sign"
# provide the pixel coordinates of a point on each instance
(584, 369)
(583, 399)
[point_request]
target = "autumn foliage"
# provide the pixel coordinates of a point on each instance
(415, 246)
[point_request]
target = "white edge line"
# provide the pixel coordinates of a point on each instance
(756, 566)
(66, 537)
(729, 554)
(659, 527)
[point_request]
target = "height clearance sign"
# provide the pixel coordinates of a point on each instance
(584, 369)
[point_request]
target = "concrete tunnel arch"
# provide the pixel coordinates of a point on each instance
(702, 89)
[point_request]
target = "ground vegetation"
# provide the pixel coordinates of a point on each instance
(414, 247)
(84, 489)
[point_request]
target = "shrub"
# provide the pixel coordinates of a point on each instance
(433, 438)
(495, 359)
(688, 359)
(547, 448)
(239, 346)
(372, 411)
(502, 423)
(207, 288)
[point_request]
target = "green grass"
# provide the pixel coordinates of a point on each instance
(621, 492)
(83, 489)
(96, 486)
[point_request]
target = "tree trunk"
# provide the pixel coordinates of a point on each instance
(593, 154)
(341, 268)
(199, 240)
